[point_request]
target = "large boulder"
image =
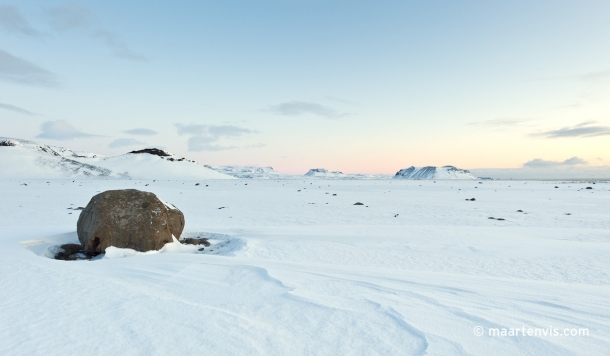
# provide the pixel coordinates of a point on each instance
(128, 218)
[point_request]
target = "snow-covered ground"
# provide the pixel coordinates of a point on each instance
(297, 270)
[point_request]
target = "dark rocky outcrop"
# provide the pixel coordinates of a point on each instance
(128, 218)
(153, 151)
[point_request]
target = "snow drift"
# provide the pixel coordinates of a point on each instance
(430, 172)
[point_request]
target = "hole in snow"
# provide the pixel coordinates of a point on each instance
(219, 244)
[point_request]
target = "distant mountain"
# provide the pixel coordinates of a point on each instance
(31, 160)
(430, 172)
(248, 172)
(322, 173)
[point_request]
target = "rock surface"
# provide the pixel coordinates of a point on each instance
(128, 218)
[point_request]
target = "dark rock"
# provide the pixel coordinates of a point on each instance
(556, 187)
(519, 211)
(589, 188)
(73, 252)
(334, 195)
(358, 203)
(128, 218)
(72, 248)
(472, 199)
(196, 241)
(500, 219)
(153, 151)
(491, 217)
(196, 183)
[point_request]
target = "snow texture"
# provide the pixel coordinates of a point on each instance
(295, 268)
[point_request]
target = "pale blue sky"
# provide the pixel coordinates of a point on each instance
(358, 86)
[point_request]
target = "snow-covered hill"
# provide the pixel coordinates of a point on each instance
(22, 159)
(322, 173)
(430, 172)
(248, 172)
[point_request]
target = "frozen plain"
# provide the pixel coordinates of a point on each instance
(310, 278)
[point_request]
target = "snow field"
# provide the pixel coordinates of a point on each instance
(316, 278)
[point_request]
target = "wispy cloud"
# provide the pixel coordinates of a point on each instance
(61, 130)
(595, 76)
(206, 137)
(298, 108)
(540, 163)
(15, 109)
(118, 46)
(585, 129)
(141, 132)
(17, 70)
(206, 143)
(124, 142)
(77, 17)
(12, 21)
(68, 17)
(228, 131)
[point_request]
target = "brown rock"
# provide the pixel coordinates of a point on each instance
(128, 218)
